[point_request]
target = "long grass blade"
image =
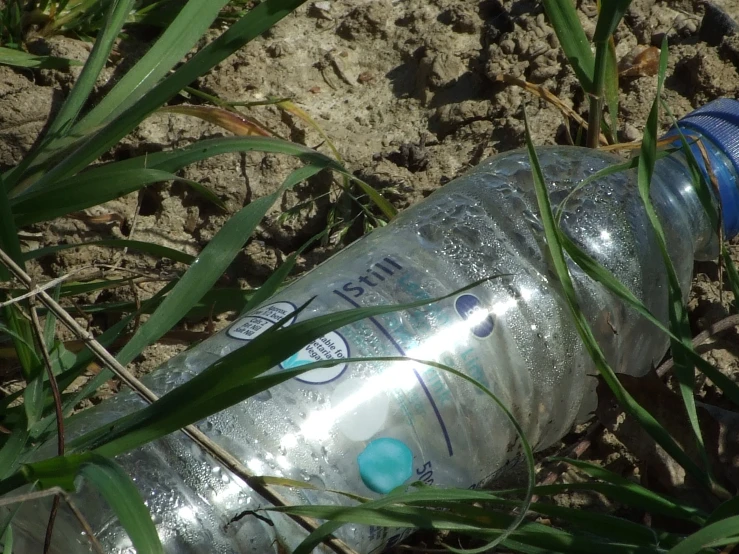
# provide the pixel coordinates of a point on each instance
(18, 58)
(194, 19)
(109, 479)
(711, 535)
(19, 327)
(85, 151)
(144, 247)
(566, 24)
(118, 11)
(83, 191)
(684, 369)
(229, 380)
(554, 242)
(209, 266)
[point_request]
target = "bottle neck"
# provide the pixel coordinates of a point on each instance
(722, 198)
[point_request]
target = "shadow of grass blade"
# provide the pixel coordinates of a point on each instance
(89, 148)
(563, 18)
(559, 266)
(119, 491)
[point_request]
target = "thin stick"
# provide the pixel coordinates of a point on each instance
(57, 491)
(84, 524)
(552, 98)
(220, 454)
(36, 290)
(30, 496)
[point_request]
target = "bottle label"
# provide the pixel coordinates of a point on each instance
(364, 408)
(261, 319)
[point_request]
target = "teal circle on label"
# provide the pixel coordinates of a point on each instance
(385, 464)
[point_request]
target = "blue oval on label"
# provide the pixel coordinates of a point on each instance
(470, 309)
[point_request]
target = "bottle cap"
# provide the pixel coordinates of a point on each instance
(718, 121)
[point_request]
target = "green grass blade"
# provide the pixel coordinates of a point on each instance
(632, 495)
(608, 18)
(598, 273)
(278, 276)
(684, 369)
(700, 183)
(194, 19)
(117, 14)
(19, 327)
(18, 58)
(711, 535)
(83, 191)
(466, 519)
(727, 509)
(12, 450)
(209, 266)
(7, 535)
(85, 151)
(566, 24)
(556, 255)
(150, 248)
(706, 196)
(609, 170)
(611, 13)
(317, 536)
(33, 395)
(116, 487)
(227, 381)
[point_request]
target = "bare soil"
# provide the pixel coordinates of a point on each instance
(408, 91)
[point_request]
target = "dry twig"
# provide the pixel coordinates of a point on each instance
(550, 97)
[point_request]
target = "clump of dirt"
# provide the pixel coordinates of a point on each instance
(408, 91)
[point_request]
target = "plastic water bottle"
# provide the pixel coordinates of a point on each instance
(373, 426)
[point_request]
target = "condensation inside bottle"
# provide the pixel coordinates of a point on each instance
(369, 427)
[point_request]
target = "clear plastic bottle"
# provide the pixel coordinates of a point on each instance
(369, 427)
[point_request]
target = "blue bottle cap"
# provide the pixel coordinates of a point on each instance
(718, 121)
